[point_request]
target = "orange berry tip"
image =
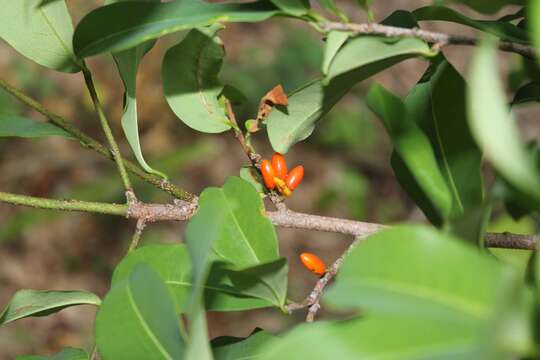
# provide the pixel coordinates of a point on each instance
(313, 263)
(294, 177)
(268, 174)
(279, 165)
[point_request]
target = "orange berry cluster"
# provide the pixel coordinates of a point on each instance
(275, 175)
(313, 263)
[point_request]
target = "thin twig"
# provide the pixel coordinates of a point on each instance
(65, 205)
(139, 228)
(184, 210)
(95, 354)
(252, 155)
(441, 39)
(312, 301)
(293, 219)
(90, 143)
(107, 130)
(248, 150)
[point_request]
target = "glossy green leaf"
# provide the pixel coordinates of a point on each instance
(266, 281)
(137, 320)
(41, 33)
(247, 237)
(529, 92)
(128, 64)
(230, 227)
(232, 348)
(190, 81)
(292, 7)
(422, 295)
(376, 337)
(504, 30)
(450, 280)
(414, 150)
(493, 126)
(202, 232)
(459, 159)
(418, 272)
(334, 42)
(362, 53)
(287, 126)
(27, 303)
(65, 354)
(173, 265)
(490, 6)
(108, 29)
(357, 60)
(246, 243)
(18, 126)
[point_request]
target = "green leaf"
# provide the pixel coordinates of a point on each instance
(493, 126)
(27, 303)
(363, 54)
(202, 232)
(190, 80)
(108, 29)
(173, 265)
(376, 337)
(490, 6)
(505, 30)
(527, 93)
(418, 272)
(66, 354)
(414, 150)
(232, 348)
(287, 126)
(449, 280)
(334, 42)
(292, 7)
(246, 237)
(41, 33)
(128, 64)
(459, 159)
(230, 226)
(266, 281)
(357, 60)
(18, 126)
(246, 242)
(137, 320)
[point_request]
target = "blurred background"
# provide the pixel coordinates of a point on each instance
(346, 161)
